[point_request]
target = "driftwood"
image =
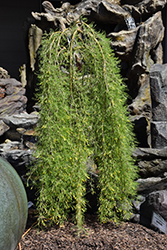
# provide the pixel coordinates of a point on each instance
(102, 11)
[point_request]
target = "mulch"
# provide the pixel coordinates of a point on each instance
(126, 235)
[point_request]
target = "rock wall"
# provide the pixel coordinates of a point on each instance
(152, 162)
(135, 31)
(17, 136)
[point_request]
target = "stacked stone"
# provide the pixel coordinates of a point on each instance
(152, 162)
(17, 136)
(12, 100)
(158, 85)
(20, 140)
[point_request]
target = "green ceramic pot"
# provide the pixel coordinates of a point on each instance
(13, 207)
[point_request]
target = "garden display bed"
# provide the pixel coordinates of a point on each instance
(96, 236)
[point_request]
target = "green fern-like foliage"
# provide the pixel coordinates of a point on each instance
(83, 114)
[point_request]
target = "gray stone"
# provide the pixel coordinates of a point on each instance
(4, 73)
(123, 43)
(3, 128)
(142, 41)
(135, 12)
(136, 218)
(158, 88)
(131, 1)
(141, 10)
(159, 134)
(23, 120)
(18, 157)
(140, 111)
(9, 145)
(143, 184)
(12, 97)
(12, 90)
(13, 104)
(145, 3)
(152, 168)
(106, 12)
(138, 201)
(157, 54)
(150, 34)
(151, 162)
(150, 153)
(148, 185)
(150, 6)
(10, 82)
(155, 202)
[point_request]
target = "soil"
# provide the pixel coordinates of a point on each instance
(127, 235)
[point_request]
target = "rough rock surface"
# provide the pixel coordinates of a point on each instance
(150, 153)
(155, 202)
(19, 158)
(152, 161)
(13, 100)
(16, 125)
(3, 127)
(158, 87)
(148, 185)
(152, 167)
(19, 153)
(22, 120)
(4, 73)
(159, 134)
(123, 43)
